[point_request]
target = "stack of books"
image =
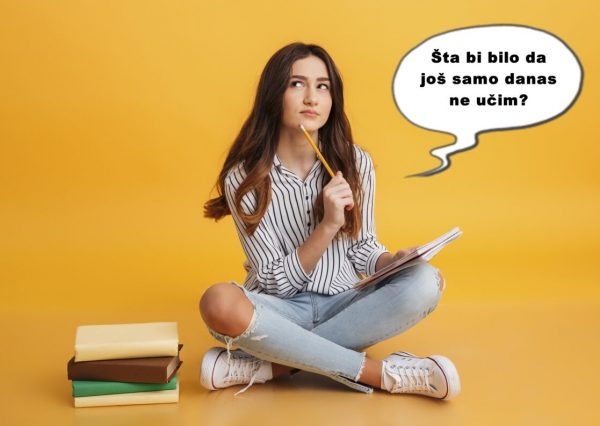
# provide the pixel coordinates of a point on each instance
(125, 364)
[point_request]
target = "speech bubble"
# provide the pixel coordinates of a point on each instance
(495, 77)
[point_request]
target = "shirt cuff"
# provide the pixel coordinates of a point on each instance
(372, 260)
(294, 271)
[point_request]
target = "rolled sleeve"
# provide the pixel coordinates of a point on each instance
(296, 275)
(277, 273)
(372, 260)
(364, 255)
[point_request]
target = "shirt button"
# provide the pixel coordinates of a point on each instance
(307, 197)
(308, 211)
(308, 223)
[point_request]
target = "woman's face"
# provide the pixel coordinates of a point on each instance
(307, 99)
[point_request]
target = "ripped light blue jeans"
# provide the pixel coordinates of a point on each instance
(326, 334)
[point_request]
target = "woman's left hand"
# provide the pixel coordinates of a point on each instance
(401, 253)
(386, 258)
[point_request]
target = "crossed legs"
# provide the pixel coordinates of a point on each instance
(228, 311)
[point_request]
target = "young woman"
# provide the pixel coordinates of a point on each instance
(307, 237)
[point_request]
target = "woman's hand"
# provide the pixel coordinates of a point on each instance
(401, 253)
(386, 258)
(337, 197)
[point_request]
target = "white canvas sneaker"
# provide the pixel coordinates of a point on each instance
(434, 376)
(221, 369)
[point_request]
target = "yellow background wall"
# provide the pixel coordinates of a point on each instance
(115, 118)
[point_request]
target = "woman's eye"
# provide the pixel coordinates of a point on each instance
(298, 83)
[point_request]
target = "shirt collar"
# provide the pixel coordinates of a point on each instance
(277, 162)
(278, 165)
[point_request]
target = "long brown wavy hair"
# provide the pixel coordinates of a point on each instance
(256, 144)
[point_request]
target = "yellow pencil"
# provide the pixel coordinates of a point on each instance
(314, 145)
(317, 151)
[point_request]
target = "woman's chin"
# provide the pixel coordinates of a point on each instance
(310, 127)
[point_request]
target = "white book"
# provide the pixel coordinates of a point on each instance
(118, 341)
(420, 254)
(153, 397)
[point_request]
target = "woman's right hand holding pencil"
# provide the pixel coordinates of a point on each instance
(337, 197)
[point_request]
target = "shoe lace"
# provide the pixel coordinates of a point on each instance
(242, 369)
(409, 378)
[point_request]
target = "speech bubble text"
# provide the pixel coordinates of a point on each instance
(480, 79)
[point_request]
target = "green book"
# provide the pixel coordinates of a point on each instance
(97, 387)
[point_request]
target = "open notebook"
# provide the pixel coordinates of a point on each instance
(420, 254)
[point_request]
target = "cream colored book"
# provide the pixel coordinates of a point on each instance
(119, 341)
(153, 397)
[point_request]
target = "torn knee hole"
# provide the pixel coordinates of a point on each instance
(441, 282)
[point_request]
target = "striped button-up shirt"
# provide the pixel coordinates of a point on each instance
(272, 262)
